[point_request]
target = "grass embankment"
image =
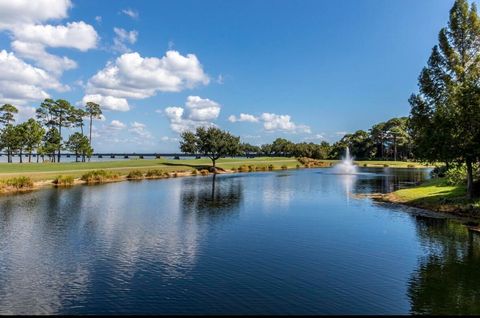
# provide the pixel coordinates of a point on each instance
(436, 195)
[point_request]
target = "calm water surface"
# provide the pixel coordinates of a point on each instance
(292, 242)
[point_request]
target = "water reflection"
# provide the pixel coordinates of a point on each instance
(211, 197)
(447, 280)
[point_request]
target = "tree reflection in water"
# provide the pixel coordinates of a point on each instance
(216, 196)
(447, 280)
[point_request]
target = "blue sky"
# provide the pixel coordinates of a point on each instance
(302, 70)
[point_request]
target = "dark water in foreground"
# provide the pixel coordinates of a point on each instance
(278, 242)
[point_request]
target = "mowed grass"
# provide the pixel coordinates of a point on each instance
(49, 171)
(437, 195)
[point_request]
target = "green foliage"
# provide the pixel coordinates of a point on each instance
(135, 174)
(79, 144)
(284, 167)
(19, 182)
(64, 180)
(156, 173)
(211, 142)
(99, 176)
(445, 114)
(7, 114)
(271, 167)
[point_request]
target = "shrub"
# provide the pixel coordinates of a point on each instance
(64, 180)
(456, 175)
(365, 165)
(20, 182)
(194, 172)
(271, 167)
(298, 166)
(385, 165)
(284, 167)
(439, 172)
(204, 172)
(135, 175)
(410, 166)
(98, 176)
(251, 168)
(154, 173)
(243, 168)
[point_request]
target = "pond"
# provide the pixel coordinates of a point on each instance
(286, 242)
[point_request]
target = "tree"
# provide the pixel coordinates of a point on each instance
(51, 142)
(448, 102)
(93, 110)
(10, 140)
(76, 118)
(249, 149)
(32, 134)
(7, 114)
(212, 143)
(281, 146)
(266, 149)
(56, 114)
(79, 144)
(7, 118)
(188, 144)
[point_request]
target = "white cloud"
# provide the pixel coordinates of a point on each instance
(201, 112)
(243, 117)
(133, 76)
(272, 122)
(98, 18)
(169, 139)
(131, 13)
(107, 102)
(122, 37)
(202, 109)
(31, 12)
(21, 82)
(117, 125)
(341, 133)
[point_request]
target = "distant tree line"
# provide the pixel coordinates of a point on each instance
(43, 135)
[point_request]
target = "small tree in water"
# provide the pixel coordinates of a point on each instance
(211, 142)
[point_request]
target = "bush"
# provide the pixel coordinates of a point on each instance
(64, 180)
(410, 166)
(204, 172)
(439, 172)
(365, 165)
(98, 176)
(298, 166)
(385, 165)
(135, 175)
(156, 173)
(251, 168)
(271, 167)
(194, 172)
(456, 175)
(284, 167)
(20, 182)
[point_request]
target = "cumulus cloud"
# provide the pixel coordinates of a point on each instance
(198, 112)
(117, 125)
(131, 13)
(272, 122)
(21, 82)
(107, 102)
(31, 12)
(137, 77)
(122, 37)
(243, 117)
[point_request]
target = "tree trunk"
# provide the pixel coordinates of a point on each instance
(395, 147)
(213, 162)
(60, 145)
(30, 157)
(76, 156)
(469, 179)
(38, 159)
(21, 156)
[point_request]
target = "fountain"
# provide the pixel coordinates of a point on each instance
(346, 166)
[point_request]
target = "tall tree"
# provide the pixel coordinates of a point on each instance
(51, 142)
(32, 134)
(212, 143)
(7, 118)
(94, 111)
(79, 144)
(10, 140)
(448, 102)
(58, 114)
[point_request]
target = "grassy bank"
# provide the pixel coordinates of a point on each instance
(436, 195)
(48, 171)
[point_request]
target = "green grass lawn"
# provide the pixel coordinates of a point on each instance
(436, 194)
(47, 171)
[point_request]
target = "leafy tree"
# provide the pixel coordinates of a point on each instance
(93, 110)
(281, 146)
(188, 144)
(378, 135)
(79, 144)
(448, 102)
(396, 134)
(212, 143)
(7, 114)
(31, 134)
(51, 142)
(248, 149)
(266, 149)
(10, 140)
(58, 114)
(76, 118)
